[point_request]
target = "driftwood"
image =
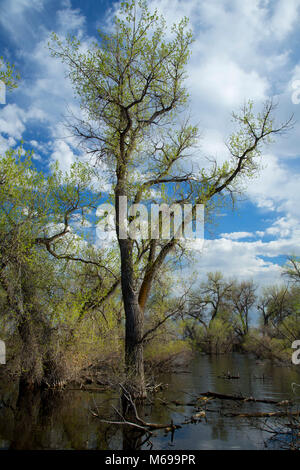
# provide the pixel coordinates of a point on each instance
(229, 376)
(198, 416)
(264, 414)
(140, 423)
(222, 396)
(144, 426)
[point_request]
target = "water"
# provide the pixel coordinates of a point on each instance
(62, 420)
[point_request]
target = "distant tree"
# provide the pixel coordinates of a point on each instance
(274, 304)
(242, 297)
(210, 299)
(279, 306)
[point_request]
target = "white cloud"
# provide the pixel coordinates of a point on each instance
(237, 235)
(226, 83)
(12, 121)
(276, 187)
(50, 92)
(243, 260)
(36, 145)
(259, 233)
(69, 19)
(77, 222)
(285, 18)
(6, 144)
(284, 227)
(18, 17)
(36, 157)
(63, 154)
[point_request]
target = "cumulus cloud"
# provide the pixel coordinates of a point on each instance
(277, 187)
(285, 18)
(6, 144)
(70, 19)
(237, 235)
(12, 121)
(227, 83)
(19, 17)
(243, 260)
(63, 154)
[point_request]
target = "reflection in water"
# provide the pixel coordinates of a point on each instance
(62, 419)
(133, 439)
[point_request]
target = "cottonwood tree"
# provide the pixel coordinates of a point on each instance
(279, 306)
(130, 84)
(274, 304)
(242, 300)
(210, 307)
(209, 300)
(213, 296)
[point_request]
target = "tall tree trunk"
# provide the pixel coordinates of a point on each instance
(134, 325)
(134, 316)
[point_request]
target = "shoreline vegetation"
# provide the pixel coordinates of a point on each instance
(215, 319)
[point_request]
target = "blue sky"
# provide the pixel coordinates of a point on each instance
(243, 50)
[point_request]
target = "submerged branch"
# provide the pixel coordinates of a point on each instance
(222, 396)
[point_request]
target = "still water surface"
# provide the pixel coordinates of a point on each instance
(62, 420)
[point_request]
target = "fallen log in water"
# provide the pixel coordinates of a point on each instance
(222, 396)
(229, 376)
(264, 414)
